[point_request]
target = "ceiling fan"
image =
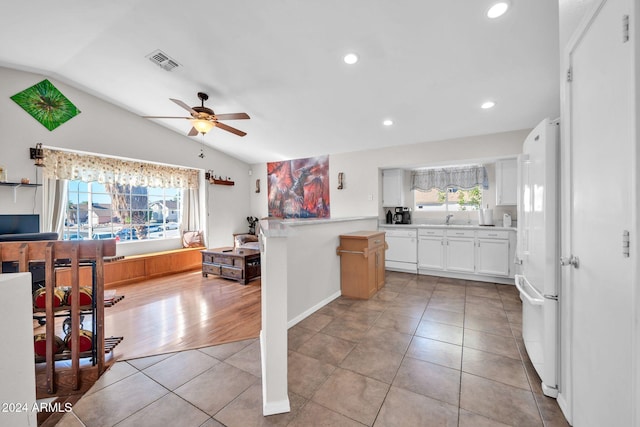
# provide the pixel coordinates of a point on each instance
(204, 119)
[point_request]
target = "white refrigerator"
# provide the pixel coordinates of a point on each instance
(537, 251)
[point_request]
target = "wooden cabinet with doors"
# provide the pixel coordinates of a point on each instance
(361, 263)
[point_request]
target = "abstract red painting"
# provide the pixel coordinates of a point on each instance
(299, 188)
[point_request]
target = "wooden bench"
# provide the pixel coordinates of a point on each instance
(135, 268)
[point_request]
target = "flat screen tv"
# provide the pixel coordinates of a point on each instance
(19, 224)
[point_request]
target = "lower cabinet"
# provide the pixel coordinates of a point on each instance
(361, 263)
(463, 252)
(460, 254)
(431, 250)
(492, 257)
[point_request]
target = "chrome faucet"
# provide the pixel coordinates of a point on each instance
(446, 221)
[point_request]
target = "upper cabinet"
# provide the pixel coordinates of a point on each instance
(506, 182)
(393, 187)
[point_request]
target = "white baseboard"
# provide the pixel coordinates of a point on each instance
(312, 310)
(405, 267)
(564, 407)
(273, 408)
(468, 276)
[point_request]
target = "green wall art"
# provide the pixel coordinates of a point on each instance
(46, 104)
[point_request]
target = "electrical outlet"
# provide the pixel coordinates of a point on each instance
(370, 197)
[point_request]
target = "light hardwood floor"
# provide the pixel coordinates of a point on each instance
(182, 311)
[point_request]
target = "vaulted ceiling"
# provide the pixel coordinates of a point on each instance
(426, 65)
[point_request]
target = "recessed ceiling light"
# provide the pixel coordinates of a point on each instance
(487, 105)
(350, 58)
(498, 9)
(387, 122)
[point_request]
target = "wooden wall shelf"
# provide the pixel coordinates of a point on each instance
(221, 182)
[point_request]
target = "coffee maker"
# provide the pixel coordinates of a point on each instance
(402, 215)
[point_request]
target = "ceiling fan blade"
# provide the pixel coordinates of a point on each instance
(183, 105)
(232, 116)
(193, 132)
(166, 117)
(230, 129)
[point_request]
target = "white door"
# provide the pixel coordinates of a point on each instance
(492, 257)
(460, 254)
(601, 206)
(506, 182)
(431, 252)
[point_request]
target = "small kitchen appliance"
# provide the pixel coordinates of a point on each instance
(389, 218)
(402, 215)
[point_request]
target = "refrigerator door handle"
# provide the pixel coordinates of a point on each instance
(527, 291)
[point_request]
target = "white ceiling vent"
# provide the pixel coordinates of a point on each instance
(163, 60)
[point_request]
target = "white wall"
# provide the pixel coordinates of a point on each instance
(363, 188)
(313, 265)
(104, 128)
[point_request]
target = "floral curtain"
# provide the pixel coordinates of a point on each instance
(108, 170)
(464, 177)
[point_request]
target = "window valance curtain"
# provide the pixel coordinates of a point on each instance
(463, 177)
(87, 167)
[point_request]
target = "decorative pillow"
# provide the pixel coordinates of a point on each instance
(241, 239)
(192, 239)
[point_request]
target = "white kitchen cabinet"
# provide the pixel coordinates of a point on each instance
(506, 182)
(460, 253)
(478, 253)
(431, 252)
(492, 257)
(393, 187)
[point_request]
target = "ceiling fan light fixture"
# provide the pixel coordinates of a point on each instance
(202, 126)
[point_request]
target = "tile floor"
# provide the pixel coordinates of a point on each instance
(424, 351)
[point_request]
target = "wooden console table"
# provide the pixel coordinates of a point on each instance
(242, 265)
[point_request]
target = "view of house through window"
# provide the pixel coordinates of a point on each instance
(451, 200)
(123, 212)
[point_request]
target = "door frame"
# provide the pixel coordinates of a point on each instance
(565, 397)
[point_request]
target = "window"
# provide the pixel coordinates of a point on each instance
(124, 212)
(451, 200)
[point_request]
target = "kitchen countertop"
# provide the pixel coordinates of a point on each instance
(451, 226)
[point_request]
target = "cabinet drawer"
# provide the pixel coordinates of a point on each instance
(493, 234)
(207, 258)
(431, 232)
(211, 269)
(222, 259)
(236, 273)
(460, 233)
(375, 242)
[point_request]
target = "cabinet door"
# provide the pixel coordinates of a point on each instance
(380, 267)
(372, 274)
(392, 187)
(506, 182)
(493, 257)
(460, 254)
(431, 252)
